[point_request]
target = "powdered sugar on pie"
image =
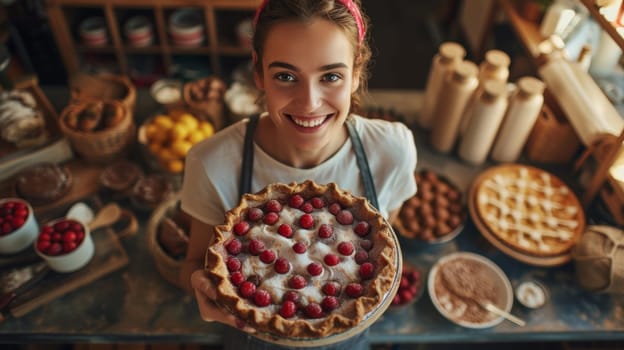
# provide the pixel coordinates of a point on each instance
(303, 260)
(529, 209)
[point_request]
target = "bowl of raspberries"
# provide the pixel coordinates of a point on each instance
(65, 244)
(18, 226)
(411, 287)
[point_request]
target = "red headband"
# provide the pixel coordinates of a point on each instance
(349, 4)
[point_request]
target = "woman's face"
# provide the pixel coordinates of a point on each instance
(307, 76)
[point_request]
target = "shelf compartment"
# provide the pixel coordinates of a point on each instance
(230, 25)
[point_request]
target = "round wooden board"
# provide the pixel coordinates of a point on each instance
(543, 261)
(362, 326)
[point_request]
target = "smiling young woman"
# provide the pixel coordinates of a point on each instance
(310, 62)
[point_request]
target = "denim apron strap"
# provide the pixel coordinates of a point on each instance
(248, 157)
(360, 155)
(362, 161)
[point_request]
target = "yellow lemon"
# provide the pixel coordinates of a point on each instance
(163, 121)
(175, 114)
(174, 166)
(181, 147)
(150, 129)
(155, 133)
(189, 120)
(207, 128)
(154, 147)
(179, 131)
(166, 154)
(195, 136)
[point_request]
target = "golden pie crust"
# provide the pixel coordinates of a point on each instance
(528, 209)
(379, 243)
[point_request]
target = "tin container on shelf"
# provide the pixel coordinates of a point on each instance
(186, 27)
(138, 31)
(93, 31)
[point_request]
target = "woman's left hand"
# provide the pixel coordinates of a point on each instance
(206, 295)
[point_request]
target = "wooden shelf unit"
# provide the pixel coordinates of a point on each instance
(220, 20)
(601, 182)
(527, 31)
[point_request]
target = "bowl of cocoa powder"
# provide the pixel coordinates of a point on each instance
(461, 283)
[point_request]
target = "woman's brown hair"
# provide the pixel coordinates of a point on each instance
(275, 11)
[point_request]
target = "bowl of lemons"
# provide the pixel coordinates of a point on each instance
(166, 138)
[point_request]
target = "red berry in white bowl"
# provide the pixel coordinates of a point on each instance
(18, 226)
(13, 215)
(62, 237)
(65, 244)
(410, 286)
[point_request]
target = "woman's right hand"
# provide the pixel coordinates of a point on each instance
(209, 311)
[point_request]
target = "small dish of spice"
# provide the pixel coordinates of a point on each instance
(531, 294)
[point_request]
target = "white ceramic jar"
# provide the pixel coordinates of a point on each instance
(458, 88)
(16, 239)
(67, 258)
(495, 66)
(448, 56)
(525, 105)
(485, 119)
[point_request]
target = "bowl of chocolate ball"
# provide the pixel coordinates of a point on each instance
(435, 214)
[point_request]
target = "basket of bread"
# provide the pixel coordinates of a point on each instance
(98, 130)
(205, 99)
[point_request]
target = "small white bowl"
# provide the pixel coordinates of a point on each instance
(21, 238)
(454, 311)
(532, 294)
(73, 260)
(167, 91)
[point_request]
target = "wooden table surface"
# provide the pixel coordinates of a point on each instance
(135, 304)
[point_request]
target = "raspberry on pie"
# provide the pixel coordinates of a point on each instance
(323, 272)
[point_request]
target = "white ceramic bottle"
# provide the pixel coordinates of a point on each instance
(457, 89)
(449, 54)
(495, 66)
(486, 117)
(524, 108)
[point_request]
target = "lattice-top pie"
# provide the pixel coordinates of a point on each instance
(529, 210)
(303, 260)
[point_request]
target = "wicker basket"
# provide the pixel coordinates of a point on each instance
(166, 265)
(213, 109)
(552, 139)
(99, 146)
(103, 87)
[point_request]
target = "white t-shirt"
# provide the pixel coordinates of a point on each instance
(213, 168)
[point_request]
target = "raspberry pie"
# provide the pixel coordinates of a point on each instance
(304, 261)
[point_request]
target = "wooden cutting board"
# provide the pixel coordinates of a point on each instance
(85, 182)
(109, 254)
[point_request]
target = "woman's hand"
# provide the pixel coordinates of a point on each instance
(209, 311)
